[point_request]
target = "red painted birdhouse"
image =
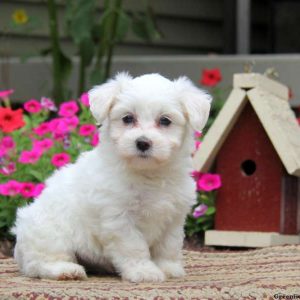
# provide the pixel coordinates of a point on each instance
(254, 144)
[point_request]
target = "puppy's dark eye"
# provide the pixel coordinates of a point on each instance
(128, 119)
(164, 121)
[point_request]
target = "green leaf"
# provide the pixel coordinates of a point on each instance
(139, 28)
(144, 26)
(37, 175)
(86, 51)
(45, 51)
(28, 123)
(66, 66)
(97, 76)
(207, 226)
(122, 26)
(79, 18)
(3, 223)
(201, 220)
(210, 211)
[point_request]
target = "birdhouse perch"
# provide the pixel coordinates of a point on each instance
(254, 144)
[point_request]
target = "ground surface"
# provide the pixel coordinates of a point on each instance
(256, 274)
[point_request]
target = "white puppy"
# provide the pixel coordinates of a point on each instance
(121, 206)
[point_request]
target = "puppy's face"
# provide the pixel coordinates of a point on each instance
(146, 128)
(147, 117)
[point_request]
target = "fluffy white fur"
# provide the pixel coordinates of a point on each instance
(117, 208)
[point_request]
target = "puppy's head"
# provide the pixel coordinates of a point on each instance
(147, 118)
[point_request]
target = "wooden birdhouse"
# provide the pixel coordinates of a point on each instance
(254, 144)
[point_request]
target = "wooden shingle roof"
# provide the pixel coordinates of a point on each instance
(269, 100)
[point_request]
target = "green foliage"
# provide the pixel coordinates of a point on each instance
(8, 208)
(194, 226)
(144, 26)
(94, 34)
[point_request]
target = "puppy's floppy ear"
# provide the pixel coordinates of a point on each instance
(195, 102)
(102, 97)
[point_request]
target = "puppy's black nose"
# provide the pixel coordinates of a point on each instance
(143, 144)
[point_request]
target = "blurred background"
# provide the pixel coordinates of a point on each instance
(93, 39)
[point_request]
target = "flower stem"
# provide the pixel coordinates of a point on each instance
(56, 52)
(113, 30)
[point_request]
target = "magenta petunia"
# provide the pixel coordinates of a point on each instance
(84, 98)
(196, 175)
(30, 157)
(43, 145)
(197, 145)
(3, 152)
(71, 122)
(10, 188)
(7, 143)
(5, 93)
(27, 189)
(197, 134)
(95, 139)
(208, 182)
(199, 211)
(68, 109)
(33, 106)
(59, 127)
(60, 159)
(48, 104)
(9, 169)
(42, 129)
(38, 189)
(87, 129)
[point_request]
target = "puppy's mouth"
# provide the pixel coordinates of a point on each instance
(144, 155)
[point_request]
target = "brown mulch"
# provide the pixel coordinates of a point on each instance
(255, 274)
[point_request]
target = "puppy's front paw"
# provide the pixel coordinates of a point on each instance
(171, 268)
(144, 271)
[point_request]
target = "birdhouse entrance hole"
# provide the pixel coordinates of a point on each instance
(248, 167)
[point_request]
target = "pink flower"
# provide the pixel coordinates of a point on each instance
(10, 188)
(68, 109)
(38, 189)
(30, 157)
(197, 134)
(42, 129)
(87, 129)
(197, 144)
(208, 182)
(60, 159)
(42, 145)
(7, 143)
(58, 127)
(5, 93)
(84, 98)
(3, 152)
(27, 189)
(95, 139)
(71, 122)
(48, 104)
(32, 106)
(8, 169)
(200, 211)
(196, 175)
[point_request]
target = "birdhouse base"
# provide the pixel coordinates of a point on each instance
(248, 238)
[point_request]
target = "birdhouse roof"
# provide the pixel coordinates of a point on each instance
(269, 100)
